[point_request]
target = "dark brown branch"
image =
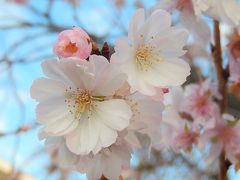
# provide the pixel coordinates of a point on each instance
(222, 87)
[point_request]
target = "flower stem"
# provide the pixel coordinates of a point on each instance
(222, 87)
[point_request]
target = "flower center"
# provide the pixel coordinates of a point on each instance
(81, 101)
(83, 97)
(145, 57)
(71, 47)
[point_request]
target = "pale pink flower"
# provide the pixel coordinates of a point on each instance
(185, 139)
(151, 55)
(75, 101)
(199, 103)
(56, 145)
(177, 131)
(190, 17)
(146, 118)
(225, 136)
(227, 11)
(109, 162)
(73, 43)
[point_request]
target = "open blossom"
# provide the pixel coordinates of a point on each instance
(194, 6)
(150, 55)
(75, 101)
(110, 161)
(227, 11)
(185, 139)
(199, 103)
(225, 136)
(177, 130)
(190, 17)
(146, 117)
(73, 43)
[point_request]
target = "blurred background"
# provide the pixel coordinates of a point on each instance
(28, 30)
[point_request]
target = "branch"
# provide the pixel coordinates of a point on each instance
(222, 87)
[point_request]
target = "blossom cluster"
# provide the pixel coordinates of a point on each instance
(92, 108)
(192, 119)
(192, 11)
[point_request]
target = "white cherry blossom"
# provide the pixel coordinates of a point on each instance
(75, 101)
(151, 55)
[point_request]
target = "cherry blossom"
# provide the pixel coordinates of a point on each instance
(224, 136)
(73, 43)
(177, 130)
(146, 117)
(150, 55)
(94, 110)
(190, 17)
(109, 162)
(75, 102)
(199, 103)
(221, 10)
(227, 11)
(117, 156)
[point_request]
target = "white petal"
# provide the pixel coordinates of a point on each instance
(79, 73)
(84, 138)
(157, 22)
(43, 89)
(98, 64)
(115, 171)
(171, 72)
(108, 136)
(54, 114)
(115, 113)
(171, 40)
(198, 27)
(73, 72)
(53, 70)
(61, 126)
(66, 158)
(110, 81)
(136, 23)
(136, 82)
(51, 108)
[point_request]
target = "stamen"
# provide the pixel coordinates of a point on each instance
(81, 101)
(145, 56)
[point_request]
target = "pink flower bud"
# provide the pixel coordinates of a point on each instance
(73, 43)
(165, 90)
